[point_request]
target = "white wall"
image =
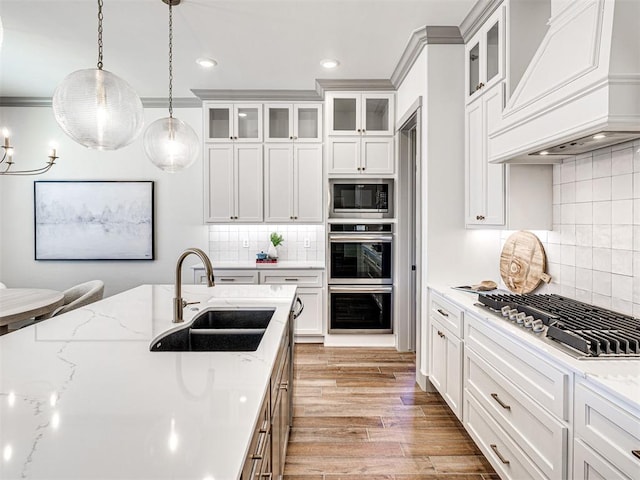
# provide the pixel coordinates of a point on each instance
(178, 204)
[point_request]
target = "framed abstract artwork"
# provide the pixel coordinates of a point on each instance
(94, 220)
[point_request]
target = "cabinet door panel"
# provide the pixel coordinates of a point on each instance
(474, 207)
(308, 204)
(278, 183)
(249, 182)
(438, 360)
(377, 114)
(311, 319)
(219, 185)
(453, 394)
(247, 122)
(307, 126)
(495, 181)
(344, 114)
(278, 122)
(218, 123)
(344, 155)
(377, 155)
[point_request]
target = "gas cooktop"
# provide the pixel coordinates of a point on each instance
(587, 330)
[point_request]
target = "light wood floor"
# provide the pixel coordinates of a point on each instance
(358, 414)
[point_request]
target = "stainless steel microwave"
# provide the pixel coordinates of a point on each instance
(361, 199)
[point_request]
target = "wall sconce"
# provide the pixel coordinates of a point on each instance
(7, 159)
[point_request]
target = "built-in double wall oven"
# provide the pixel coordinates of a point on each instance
(361, 278)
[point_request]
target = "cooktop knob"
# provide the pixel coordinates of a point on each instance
(528, 321)
(537, 325)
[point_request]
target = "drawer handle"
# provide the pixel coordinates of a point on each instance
(636, 453)
(443, 313)
(494, 447)
(284, 385)
(266, 475)
(290, 279)
(227, 279)
(441, 334)
(500, 402)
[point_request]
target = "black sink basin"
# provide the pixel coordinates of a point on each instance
(218, 331)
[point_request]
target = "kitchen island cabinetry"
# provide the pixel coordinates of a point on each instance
(293, 183)
(233, 183)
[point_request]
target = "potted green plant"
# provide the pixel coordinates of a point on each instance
(276, 240)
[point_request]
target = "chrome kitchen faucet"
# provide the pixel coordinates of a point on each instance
(178, 302)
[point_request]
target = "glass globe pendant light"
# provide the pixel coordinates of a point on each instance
(170, 143)
(96, 108)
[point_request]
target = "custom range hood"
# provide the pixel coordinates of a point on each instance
(581, 90)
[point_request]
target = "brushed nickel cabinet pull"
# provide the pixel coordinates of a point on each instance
(500, 402)
(494, 447)
(443, 313)
(636, 453)
(284, 385)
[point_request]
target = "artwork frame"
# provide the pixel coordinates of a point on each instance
(94, 220)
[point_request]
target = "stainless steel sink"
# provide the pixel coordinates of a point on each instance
(220, 330)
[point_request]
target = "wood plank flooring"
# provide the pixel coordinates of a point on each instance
(358, 414)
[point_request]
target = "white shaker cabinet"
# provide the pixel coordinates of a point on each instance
(293, 183)
(361, 155)
(299, 123)
(233, 183)
(485, 200)
(230, 122)
(485, 56)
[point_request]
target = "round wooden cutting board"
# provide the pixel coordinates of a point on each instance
(523, 262)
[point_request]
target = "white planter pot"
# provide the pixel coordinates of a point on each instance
(272, 252)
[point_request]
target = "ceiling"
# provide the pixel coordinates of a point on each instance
(259, 44)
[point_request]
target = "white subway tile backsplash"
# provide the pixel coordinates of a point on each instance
(568, 191)
(622, 187)
(622, 160)
(584, 258)
(622, 262)
(584, 279)
(584, 191)
(602, 259)
(602, 283)
(636, 185)
(584, 168)
(584, 235)
(636, 264)
(584, 295)
(622, 287)
(568, 275)
(568, 255)
(636, 238)
(636, 156)
(636, 211)
(557, 194)
(602, 163)
(583, 214)
(622, 212)
(568, 213)
(621, 306)
(602, 236)
(603, 301)
(601, 189)
(557, 174)
(568, 234)
(636, 289)
(622, 237)
(568, 173)
(602, 213)
(557, 213)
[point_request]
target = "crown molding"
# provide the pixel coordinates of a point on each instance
(374, 84)
(478, 14)
(147, 102)
(258, 95)
(427, 35)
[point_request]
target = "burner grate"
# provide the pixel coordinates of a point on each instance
(592, 330)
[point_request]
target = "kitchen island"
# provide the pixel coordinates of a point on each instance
(81, 395)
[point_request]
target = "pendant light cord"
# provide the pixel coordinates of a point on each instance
(170, 59)
(100, 17)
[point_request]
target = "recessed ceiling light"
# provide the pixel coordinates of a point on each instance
(544, 152)
(599, 136)
(329, 63)
(206, 62)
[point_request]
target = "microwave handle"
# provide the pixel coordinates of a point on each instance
(342, 238)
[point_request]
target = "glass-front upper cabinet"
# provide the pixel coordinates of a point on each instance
(485, 54)
(360, 113)
(297, 122)
(233, 122)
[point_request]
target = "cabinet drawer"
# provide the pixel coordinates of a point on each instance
(607, 428)
(447, 313)
(306, 278)
(525, 369)
(504, 455)
(588, 465)
(278, 376)
(259, 447)
(240, 277)
(544, 439)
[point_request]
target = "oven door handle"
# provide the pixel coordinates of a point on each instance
(338, 238)
(363, 289)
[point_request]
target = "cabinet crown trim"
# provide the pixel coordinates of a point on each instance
(258, 95)
(477, 16)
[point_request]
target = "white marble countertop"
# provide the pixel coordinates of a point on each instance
(252, 265)
(620, 378)
(81, 395)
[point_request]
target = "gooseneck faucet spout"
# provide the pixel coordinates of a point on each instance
(178, 302)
